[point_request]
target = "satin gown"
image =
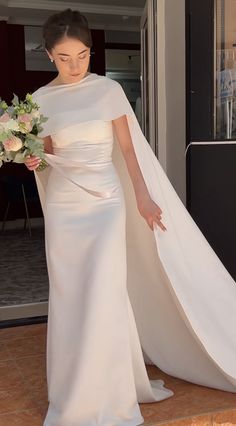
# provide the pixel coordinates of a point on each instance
(95, 367)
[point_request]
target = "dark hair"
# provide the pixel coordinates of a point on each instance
(68, 23)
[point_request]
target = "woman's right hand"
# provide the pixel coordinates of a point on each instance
(32, 162)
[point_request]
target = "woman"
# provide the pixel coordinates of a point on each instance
(95, 368)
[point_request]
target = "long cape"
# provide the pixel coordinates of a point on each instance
(183, 298)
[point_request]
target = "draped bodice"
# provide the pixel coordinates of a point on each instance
(82, 155)
(89, 142)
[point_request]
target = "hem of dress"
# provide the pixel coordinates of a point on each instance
(134, 422)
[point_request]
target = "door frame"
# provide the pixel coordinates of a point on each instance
(148, 27)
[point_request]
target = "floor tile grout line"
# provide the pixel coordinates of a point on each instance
(17, 411)
(28, 356)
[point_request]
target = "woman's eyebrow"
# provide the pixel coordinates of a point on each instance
(65, 54)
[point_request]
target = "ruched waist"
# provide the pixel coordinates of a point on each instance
(63, 160)
(61, 163)
(94, 154)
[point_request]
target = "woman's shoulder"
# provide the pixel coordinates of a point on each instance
(109, 85)
(36, 94)
(105, 83)
(100, 78)
(109, 81)
(50, 84)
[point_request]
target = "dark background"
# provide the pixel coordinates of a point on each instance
(211, 169)
(15, 79)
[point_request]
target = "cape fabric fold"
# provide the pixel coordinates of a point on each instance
(183, 298)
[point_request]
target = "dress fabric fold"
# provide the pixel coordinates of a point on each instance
(117, 289)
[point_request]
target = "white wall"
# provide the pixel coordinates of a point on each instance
(172, 129)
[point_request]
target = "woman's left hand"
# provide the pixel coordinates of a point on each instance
(151, 212)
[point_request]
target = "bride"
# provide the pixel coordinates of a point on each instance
(108, 243)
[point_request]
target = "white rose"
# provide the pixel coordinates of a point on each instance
(12, 144)
(35, 114)
(9, 125)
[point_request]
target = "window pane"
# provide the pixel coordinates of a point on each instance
(225, 89)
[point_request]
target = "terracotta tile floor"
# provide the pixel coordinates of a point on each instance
(23, 393)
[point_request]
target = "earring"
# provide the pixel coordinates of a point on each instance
(51, 60)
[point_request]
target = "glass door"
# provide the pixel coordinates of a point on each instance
(149, 73)
(211, 118)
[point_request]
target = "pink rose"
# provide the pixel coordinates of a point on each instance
(25, 118)
(12, 144)
(5, 117)
(25, 123)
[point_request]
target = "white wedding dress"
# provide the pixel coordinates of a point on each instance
(100, 253)
(95, 365)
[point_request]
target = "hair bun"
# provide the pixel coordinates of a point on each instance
(70, 23)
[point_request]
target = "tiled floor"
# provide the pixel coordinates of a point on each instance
(23, 393)
(23, 282)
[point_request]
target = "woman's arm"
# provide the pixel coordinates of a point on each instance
(146, 206)
(33, 162)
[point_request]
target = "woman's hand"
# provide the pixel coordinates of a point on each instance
(151, 212)
(32, 162)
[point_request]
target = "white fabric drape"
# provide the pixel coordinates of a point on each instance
(183, 298)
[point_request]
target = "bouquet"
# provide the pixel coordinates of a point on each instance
(20, 124)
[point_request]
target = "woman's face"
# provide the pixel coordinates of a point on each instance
(71, 58)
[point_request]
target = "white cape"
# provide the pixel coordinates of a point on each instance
(183, 298)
